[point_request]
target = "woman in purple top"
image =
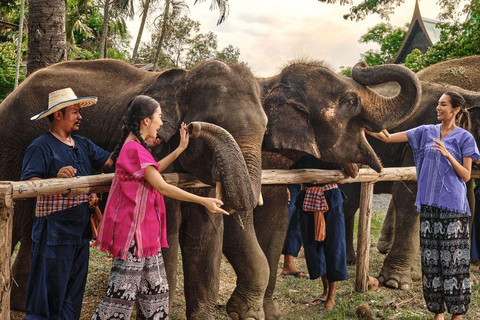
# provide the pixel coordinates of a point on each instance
(443, 157)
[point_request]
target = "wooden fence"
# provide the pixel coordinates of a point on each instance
(11, 191)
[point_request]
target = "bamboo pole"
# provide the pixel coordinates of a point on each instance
(6, 224)
(363, 237)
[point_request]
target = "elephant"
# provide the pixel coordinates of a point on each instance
(461, 255)
(224, 147)
(450, 284)
(446, 257)
(453, 229)
(436, 283)
(312, 110)
(438, 227)
(425, 227)
(430, 254)
(400, 231)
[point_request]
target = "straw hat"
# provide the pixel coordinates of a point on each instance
(63, 98)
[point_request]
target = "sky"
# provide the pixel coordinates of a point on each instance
(270, 33)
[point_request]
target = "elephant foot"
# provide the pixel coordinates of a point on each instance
(396, 279)
(351, 257)
(384, 244)
(241, 308)
(270, 309)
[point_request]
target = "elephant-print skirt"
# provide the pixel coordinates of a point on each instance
(135, 280)
(445, 252)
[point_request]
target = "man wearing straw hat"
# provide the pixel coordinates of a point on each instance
(61, 230)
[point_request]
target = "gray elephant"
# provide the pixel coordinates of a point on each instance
(461, 255)
(449, 285)
(312, 110)
(438, 227)
(430, 254)
(400, 235)
(224, 95)
(436, 283)
(425, 227)
(454, 228)
(446, 257)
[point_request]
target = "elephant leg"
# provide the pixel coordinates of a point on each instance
(397, 265)
(385, 242)
(350, 207)
(243, 251)
(271, 222)
(170, 255)
(201, 235)
(22, 229)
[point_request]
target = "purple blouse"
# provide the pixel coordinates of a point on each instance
(438, 183)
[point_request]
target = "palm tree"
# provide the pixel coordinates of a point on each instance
(222, 6)
(146, 6)
(177, 7)
(47, 43)
(77, 12)
(121, 8)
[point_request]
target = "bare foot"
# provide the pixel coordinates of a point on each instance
(456, 317)
(329, 304)
(439, 316)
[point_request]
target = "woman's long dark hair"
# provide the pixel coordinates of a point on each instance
(463, 117)
(139, 108)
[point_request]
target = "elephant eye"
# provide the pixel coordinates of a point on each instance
(351, 103)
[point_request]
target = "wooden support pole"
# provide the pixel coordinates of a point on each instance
(6, 224)
(363, 238)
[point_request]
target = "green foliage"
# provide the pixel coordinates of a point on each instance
(185, 46)
(8, 54)
(390, 40)
(414, 61)
(346, 71)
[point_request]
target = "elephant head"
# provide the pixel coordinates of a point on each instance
(312, 110)
(227, 144)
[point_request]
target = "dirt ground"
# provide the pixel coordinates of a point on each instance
(294, 296)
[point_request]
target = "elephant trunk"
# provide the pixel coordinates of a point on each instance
(382, 112)
(229, 166)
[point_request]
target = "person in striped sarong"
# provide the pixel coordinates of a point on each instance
(443, 155)
(323, 231)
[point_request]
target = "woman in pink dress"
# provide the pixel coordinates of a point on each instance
(133, 228)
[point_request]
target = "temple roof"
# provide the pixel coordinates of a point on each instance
(422, 34)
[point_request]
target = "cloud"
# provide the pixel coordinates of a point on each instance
(270, 33)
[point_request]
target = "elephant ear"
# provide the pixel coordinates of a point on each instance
(164, 90)
(288, 125)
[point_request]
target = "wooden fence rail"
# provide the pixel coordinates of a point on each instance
(18, 190)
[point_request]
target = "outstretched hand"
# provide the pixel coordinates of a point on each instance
(213, 205)
(184, 136)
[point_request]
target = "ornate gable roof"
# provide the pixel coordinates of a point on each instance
(422, 34)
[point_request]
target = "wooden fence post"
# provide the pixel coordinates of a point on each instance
(363, 238)
(6, 224)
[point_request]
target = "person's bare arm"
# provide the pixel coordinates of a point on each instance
(184, 138)
(392, 138)
(464, 169)
(156, 180)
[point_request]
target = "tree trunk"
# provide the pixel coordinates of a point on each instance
(47, 41)
(162, 35)
(140, 32)
(104, 37)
